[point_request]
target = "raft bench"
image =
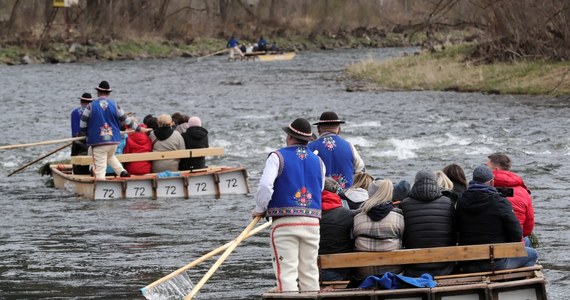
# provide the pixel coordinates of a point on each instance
(521, 283)
(188, 153)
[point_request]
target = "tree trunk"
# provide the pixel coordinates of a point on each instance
(223, 10)
(13, 15)
(160, 18)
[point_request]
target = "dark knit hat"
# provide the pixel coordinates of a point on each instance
(401, 190)
(86, 97)
(482, 174)
(329, 117)
(425, 174)
(104, 87)
(300, 129)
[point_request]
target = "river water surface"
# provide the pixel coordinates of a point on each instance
(54, 245)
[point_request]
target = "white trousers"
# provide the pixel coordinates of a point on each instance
(235, 50)
(294, 253)
(101, 156)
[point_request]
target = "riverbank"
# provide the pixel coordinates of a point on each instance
(449, 70)
(74, 51)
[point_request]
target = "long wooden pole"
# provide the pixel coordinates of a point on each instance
(7, 147)
(203, 258)
(212, 54)
(79, 138)
(40, 158)
(220, 260)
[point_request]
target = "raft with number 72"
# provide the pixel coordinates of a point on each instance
(213, 181)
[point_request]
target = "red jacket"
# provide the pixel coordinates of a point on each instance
(521, 200)
(138, 142)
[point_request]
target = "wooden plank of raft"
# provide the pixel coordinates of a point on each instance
(216, 151)
(425, 255)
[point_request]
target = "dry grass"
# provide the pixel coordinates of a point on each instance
(448, 71)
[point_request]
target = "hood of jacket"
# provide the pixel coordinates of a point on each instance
(330, 200)
(139, 141)
(378, 212)
(163, 133)
(507, 179)
(425, 189)
(356, 195)
(197, 132)
(478, 197)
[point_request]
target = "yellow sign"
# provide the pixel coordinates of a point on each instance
(65, 3)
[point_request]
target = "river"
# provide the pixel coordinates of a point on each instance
(54, 245)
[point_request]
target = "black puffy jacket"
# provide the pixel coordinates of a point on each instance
(429, 218)
(194, 137)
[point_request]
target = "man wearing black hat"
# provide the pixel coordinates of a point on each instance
(101, 122)
(289, 191)
(484, 216)
(340, 157)
(79, 147)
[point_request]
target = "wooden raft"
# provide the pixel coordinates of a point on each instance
(188, 153)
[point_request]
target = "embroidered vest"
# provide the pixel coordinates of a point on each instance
(103, 125)
(298, 186)
(337, 156)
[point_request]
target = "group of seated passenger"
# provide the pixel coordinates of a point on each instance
(440, 209)
(169, 133)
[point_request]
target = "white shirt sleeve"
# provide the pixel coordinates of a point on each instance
(358, 162)
(323, 174)
(265, 187)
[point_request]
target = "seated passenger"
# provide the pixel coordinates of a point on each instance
(164, 138)
(429, 218)
(181, 127)
(262, 44)
(401, 192)
(138, 142)
(484, 217)
(195, 137)
(150, 122)
(336, 230)
(446, 186)
(358, 192)
(456, 174)
(378, 226)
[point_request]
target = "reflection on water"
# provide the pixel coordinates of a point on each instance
(55, 245)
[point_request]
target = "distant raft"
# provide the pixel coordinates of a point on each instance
(213, 181)
(262, 56)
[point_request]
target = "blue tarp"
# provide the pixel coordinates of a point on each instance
(391, 281)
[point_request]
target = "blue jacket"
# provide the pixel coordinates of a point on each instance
(337, 155)
(233, 42)
(298, 186)
(75, 119)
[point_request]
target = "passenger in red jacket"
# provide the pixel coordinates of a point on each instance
(138, 142)
(521, 199)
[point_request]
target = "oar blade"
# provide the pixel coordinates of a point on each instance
(175, 288)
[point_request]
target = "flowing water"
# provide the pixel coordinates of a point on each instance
(54, 245)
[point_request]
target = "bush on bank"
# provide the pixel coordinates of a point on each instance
(449, 69)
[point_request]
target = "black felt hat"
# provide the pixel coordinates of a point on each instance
(86, 97)
(329, 117)
(104, 87)
(300, 129)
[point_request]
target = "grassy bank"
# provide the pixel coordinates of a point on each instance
(448, 70)
(154, 49)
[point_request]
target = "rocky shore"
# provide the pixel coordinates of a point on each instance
(76, 51)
